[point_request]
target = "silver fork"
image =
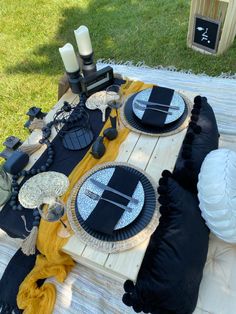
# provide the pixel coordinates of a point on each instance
(97, 197)
(141, 107)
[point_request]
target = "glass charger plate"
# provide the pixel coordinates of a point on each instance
(124, 238)
(177, 100)
(85, 205)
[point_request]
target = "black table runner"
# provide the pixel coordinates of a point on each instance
(64, 162)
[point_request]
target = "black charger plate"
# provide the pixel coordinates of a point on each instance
(138, 224)
(138, 125)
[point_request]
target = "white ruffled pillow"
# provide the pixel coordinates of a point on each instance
(217, 193)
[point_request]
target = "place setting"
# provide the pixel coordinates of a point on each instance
(109, 215)
(156, 111)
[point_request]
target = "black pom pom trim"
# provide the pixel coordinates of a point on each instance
(166, 174)
(190, 136)
(129, 286)
(195, 111)
(162, 189)
(197, 106)
(194, 117)
(163, 200)
(204, 100)
(187, 147)
(198, 100)
(137, 308)
(163, 181)
(191, 124)
(146, 308)
(163, 209)
(127, 299)
(197, 129)
(186, 154)
(189, 165)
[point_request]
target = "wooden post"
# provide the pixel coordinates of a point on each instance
(221, 11)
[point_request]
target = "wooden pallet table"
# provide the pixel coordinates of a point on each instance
(152, 154)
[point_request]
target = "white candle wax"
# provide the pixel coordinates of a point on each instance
(83, 41)
(69, 58)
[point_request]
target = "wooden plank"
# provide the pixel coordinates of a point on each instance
(215, 10)
(165, 154)
(142, 151)
(226, 29)
(99, 268)
(94, 255)
(232, 27)
(206, 7)
(222, 12)
(193, 9)
(127, 263)
(125, 151)
(127, 147)
(74, 245)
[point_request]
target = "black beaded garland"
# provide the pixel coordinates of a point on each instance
(46, 133)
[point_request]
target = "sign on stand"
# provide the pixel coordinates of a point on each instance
(206, 33)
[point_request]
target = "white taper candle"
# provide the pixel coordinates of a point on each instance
(69, 58)
(83, 41)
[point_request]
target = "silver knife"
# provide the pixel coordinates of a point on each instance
(144, 102)
(108, 188)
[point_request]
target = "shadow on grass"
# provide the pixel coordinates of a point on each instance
(128, 30)
(118, 29)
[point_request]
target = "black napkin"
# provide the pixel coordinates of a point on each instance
(16, 271)
(105, 216)
(160, 95)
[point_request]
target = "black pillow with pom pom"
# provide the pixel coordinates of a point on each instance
(169, 278)
(202, 137)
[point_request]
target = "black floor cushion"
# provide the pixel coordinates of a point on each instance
(171, 272)
(202, 137)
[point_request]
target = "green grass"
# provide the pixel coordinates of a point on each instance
(31, 32)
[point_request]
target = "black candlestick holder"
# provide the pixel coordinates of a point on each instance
(74, 79)
(88, 67)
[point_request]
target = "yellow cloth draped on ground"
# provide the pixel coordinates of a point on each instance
(52, 261)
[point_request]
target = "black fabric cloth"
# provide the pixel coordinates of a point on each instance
(64, 161)
(105, 216)
(170, 275)
(159, 95)
(16, 271)
(201, 138)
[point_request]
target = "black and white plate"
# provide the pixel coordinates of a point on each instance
(133, 228)
(133, 120)
(177, 100)
(86, 205)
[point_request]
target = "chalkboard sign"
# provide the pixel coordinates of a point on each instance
(206, 33)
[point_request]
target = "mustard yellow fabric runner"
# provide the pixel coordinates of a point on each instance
(52, 261)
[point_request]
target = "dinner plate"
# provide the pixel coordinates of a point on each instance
(143, 219)
(177, 100)
(86, 205)
(132, 121)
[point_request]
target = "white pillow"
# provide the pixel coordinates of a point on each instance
(217, 193)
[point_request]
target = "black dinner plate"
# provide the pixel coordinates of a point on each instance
(138, 224)
(137, 124)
